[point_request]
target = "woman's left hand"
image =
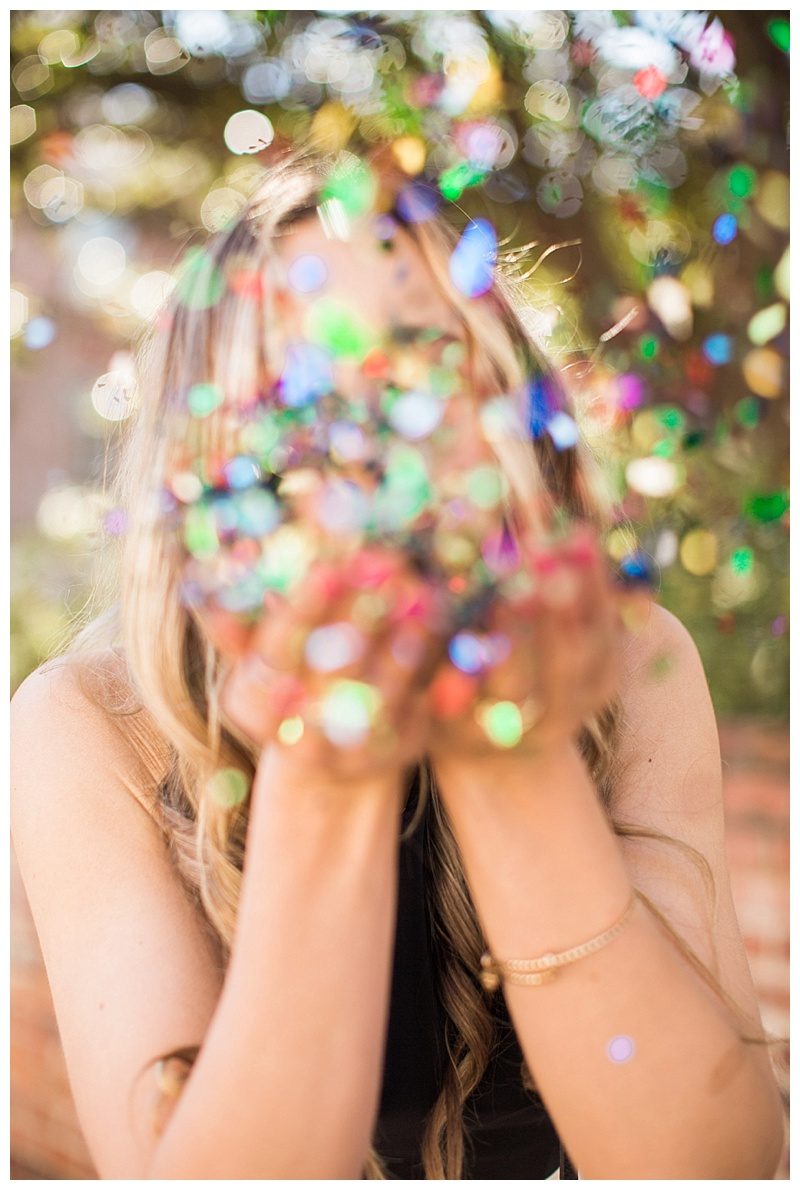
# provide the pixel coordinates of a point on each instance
(558, 659)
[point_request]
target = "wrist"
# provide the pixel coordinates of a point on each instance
(283, 776)
(497, 771)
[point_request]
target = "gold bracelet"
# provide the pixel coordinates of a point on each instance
(535, 971)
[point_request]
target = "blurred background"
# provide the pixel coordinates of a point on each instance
(634, 164)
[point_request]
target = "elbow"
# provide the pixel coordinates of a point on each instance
(756, 1146)
(766, 1128)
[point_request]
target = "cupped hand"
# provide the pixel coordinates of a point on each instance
(551, 657)
(338, 671)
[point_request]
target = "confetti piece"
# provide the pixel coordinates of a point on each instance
(563, 430)
(348, 711)
(417, 203)
(334, 646)
(338, 330)
(199, 284)
(718, 349)
(291, 731)
(621, 1048)
(307, 374)
(229, 787)
(502, 722)
(473, 260)
(415, 415)
(468, 653)
(307, 274)
(203, 399)
(725, 229)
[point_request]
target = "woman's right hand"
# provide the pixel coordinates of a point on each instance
(337, 673)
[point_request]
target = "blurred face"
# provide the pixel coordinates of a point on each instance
(371, 430)
(411, 337)
(378, 272)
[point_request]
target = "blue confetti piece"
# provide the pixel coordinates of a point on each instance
(543, 404)
(417, 203)
(241, 472)
(467, 653)
(307, 274)
(563, 430)
(39, 333)
(257, 511)
(225, 519)
(473, 260)
(725, 229)
(307, 375)
(717, 349)
(636, 568)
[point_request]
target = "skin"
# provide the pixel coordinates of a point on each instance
(568, 633)
(132, 971)
(574, 643)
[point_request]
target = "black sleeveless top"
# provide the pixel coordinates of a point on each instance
(509, 1133)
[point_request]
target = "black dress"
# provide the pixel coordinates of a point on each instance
(510, 1134)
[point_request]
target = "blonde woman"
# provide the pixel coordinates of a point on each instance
(314, 971)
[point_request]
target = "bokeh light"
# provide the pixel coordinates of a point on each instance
(628, 169)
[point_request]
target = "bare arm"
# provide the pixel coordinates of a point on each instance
(638, 1061)
(288, 1074)
(287, 1081)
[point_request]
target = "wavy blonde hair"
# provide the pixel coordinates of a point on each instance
(169, 701)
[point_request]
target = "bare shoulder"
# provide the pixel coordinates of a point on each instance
(132, 965)
(78, 716)
(656, 640)
(668, 726)
(659, 659)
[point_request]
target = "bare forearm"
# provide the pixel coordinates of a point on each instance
(547, 873)
(288, 1078)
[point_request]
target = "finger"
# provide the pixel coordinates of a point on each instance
(249, 697)
(226, 632)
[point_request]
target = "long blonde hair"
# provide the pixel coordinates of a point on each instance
(169, 697)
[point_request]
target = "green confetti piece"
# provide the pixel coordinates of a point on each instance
(348, 711)
(200, 284)
(664, 448)
(742, 560)
(405, 491)
(766, 324)
(229, 787)
(334, 327)
(200, 531)
(485, 486)
(747, 412)
(259, 438)
(671, 418)
(778, 32)
(502, 722)
(764, 283)
(458, 178)
(443, 382)
(291, 730)
(203, 399)
(742, 181)
(767, 506)
(648, 347)
(353, 184)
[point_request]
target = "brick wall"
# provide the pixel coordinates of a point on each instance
(45, 1138)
